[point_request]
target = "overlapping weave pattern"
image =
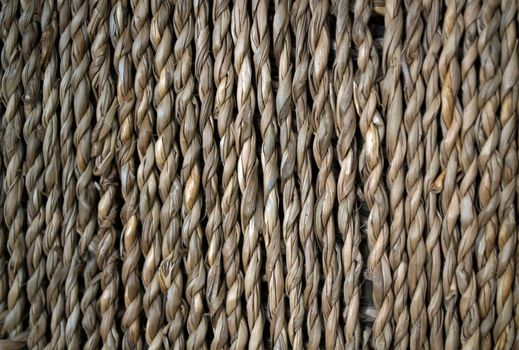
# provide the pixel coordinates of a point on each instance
(227, 174)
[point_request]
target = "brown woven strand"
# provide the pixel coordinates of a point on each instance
(300, 19)
(415, 219)
(391, 98)
(469, 223)
(29, 26)
(52, 240)
(371, 167)
(504, 329)
(451, 120)
(347, 215)
(104, 138)
(13, 155)
(260, 46)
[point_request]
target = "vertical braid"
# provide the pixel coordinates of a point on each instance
(85, 190)
(149, 208)
(300, 25)
(504, 330)
(186, 112)
(371, 167)
(320, 42)
(347, 215)
(248, 175)
(68, 179)
(130, 247)
(13, 155)
(451, 118)
(291, 207)
(215, 286)
(260, 43)
(465, 277)
(415, 220)
(104, 138)
(52, 241)
(4, 282)
(167, 160)
(28, 23)
(224, 82)
(391, 94)
(490, 165)
(430, 73)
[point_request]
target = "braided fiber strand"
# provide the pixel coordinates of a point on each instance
(104, 138)
(215, 287)
(391, 94)
(68, 180)
(451, 121)
(490, 165)
(167, 160)
(85, 190)
(247, 169)
(347, 216)
(149, 208)
(13, 156)
(465, 277)
(430, 73)
(415, 220)
(504, 330)
(224, 99)
(28, 24)
(4, 283)
(260, 45)
(186, 112)
(119, 23)
(52, 240)
(370, 166)
(287, 138)
(319, 39)
(300, 19)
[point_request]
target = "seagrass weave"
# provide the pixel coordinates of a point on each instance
(259, 174)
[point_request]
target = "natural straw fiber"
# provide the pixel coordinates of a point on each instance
(228, 174)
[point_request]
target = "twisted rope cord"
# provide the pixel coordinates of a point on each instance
(415, 219)
(28, 24)
(371, 167)
(68, 179)
(104, 138)
(215, 286)
(490, 166)
(391, 94)
(504, 330)
(167, 160)
(149, 208)
(4, 282)
(224, 82)
(347, 215)
(291, 207)
(85, 190)
(319, 39)
(186, 112)
(130, 247)
(469, 226)
(451, 120)
(13, 156)
(300, 19)
(247, 169)
(432, 46)
(260, 44)
(52, 240)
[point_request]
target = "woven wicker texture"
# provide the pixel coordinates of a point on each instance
(259, 174)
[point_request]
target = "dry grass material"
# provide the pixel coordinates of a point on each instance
(227, 174)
